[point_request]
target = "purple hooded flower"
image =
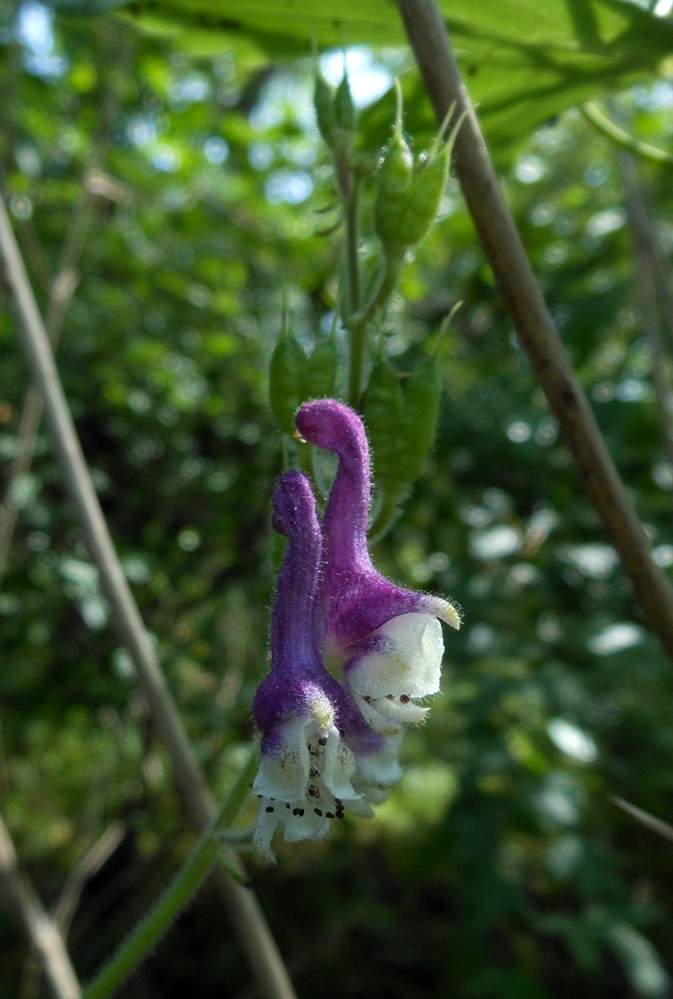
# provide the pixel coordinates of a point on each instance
(306, 767)
(386, 640)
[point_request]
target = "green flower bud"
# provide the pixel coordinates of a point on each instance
(325, 108)
(424, 197)
(392, 188)
(285, 381)
(335, 112)
(346, 115)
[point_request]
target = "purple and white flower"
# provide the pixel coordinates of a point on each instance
(352, 654)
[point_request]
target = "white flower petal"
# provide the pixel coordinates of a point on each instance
(381, 768)
(283, 772)
(389, 715)
(338, 767)
(306, 826)
(361, 808)
(267, 823)
(304, 783)
(408, 662)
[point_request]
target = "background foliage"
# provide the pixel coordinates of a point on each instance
(500, 866)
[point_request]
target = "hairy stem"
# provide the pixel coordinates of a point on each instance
(524, 301)
(244, 910)
(359, 323)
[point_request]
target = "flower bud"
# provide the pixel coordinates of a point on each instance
(391, 194)
(335, 112)
(325, 110)
(424, 196)
(346, 115)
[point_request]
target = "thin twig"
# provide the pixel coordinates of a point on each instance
(647, 820)
(244, 909)
(40, 928)
(92, 861)
(524, 301)
(61, 289)
(646, 266)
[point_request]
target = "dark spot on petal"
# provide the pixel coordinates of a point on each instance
(295, 811)
(330, 815)
(269, 808)
(322, 741)
(318, 812)
(405, 698)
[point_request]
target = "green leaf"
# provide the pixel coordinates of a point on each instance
(522, 69)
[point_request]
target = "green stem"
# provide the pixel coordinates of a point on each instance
(622, 139)
(359, 323)
(136, 947)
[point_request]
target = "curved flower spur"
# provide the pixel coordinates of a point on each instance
(385, 641)
(306, 767)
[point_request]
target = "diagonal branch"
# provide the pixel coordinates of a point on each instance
(243, 907)
(61, 287)
(41, 929)
(524, 301)
(646, 262)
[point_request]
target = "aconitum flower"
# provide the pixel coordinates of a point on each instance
(306, 767)
(385, 641)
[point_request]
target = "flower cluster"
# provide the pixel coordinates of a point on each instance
(351, 653)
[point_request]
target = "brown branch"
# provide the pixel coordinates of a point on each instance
(40, 928)
(523, 298)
